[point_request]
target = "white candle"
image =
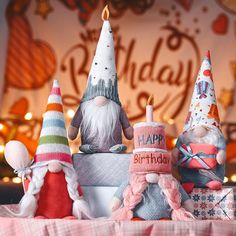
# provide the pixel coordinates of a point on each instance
(149, 109)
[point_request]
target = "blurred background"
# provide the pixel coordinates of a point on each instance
(159, 48)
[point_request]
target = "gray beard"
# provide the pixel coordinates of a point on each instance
(99, 122)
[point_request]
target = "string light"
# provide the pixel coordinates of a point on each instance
(1, 126)
(70, 113)
(233, 178)
(16, 180)
(1, 148)
(171, 121)
(174, 141)
(226, 179)
(28, 116)
(6, 179)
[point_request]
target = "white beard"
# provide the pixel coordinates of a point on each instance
(99, 121)
(212, 137)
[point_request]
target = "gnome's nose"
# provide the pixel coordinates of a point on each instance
(54, 167)
(200, 131)
(152, 178)
(100, 101)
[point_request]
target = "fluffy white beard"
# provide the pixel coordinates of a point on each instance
(212, 137)
(99, 121)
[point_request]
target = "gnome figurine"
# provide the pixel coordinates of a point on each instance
(200, 149)
(53, 190)
(151, 192)
(100, 115)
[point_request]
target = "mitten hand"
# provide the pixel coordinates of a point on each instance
(129, 133)
(115, 204)
(72, 132)
(221, 156)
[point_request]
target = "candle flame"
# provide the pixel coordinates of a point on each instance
(150, 100)
(105, 13)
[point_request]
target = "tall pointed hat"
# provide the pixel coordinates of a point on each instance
(102, 79)
(53, 142)
(203, 109)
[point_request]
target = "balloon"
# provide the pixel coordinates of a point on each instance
(16, 155)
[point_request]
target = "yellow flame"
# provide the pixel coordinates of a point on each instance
(105, 13)
(150, 100)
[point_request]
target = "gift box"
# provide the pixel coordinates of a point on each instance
(214, 204)
(101, 169)
(99, 199)
(100, 174)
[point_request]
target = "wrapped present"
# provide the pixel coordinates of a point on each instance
(199, 156)
(101, 169)
(214, 204)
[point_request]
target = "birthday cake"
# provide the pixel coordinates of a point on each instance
(150, 147)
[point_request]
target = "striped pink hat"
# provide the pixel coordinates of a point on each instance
(53, 142)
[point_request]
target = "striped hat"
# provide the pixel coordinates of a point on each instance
(53, 142)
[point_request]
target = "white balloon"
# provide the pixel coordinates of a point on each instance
(16, 155)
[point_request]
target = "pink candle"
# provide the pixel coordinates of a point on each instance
(149, 109)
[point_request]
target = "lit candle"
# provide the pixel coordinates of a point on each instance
(105, 13)
(149, 109)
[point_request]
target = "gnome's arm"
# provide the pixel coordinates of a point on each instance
(127, 128)
(186, 201)
(221, 154)
(75, 124)
(118, 196)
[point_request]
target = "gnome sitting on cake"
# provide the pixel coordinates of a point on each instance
(100, 116)
(151, 192)
(53, 190)
(200, 149)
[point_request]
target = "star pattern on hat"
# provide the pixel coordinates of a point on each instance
(203, 108)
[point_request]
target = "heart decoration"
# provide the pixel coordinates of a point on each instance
(30, 63)
(220, 24)
(20, 107)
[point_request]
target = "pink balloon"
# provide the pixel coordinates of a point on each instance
(16, 155)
